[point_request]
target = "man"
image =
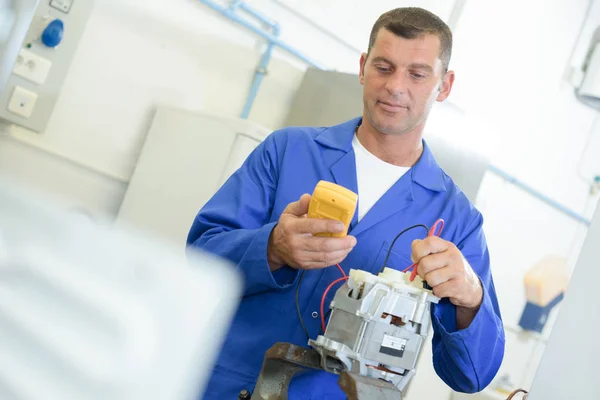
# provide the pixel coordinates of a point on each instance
(258, 220)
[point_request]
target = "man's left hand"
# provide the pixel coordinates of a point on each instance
(446, 270)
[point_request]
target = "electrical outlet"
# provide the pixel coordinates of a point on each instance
(22, 102)
(32, 67)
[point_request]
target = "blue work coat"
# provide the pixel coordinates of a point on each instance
(237, 221)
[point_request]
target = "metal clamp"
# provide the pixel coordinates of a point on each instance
(283, 360)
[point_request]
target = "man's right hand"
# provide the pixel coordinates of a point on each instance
(292, 241)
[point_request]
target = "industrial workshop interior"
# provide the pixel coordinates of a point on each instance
(299, 199)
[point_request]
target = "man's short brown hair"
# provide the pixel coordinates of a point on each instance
(413, 22)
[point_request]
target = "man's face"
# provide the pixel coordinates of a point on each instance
(402, 78)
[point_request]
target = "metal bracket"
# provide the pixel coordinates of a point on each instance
(283, 360)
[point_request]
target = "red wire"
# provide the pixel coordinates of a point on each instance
(344, 277)
(439, 222)
(323, 299)
(341, 270)
(434, 231)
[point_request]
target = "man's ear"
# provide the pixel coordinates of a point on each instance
(445, 86)
(363, 60)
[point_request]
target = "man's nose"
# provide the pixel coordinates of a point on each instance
(397, 84)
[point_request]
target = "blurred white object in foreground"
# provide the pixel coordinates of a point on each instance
(88, 312)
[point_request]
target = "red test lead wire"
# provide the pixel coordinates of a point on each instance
(341, 270)
(436, 230)
(323, 299)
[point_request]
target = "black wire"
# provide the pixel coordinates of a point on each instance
(298, 305)
(396, 238)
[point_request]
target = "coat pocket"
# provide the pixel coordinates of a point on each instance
(397, 259)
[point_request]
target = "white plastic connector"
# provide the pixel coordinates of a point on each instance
(393, 276)
(360, 276)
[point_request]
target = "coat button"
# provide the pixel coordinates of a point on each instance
(315, 314)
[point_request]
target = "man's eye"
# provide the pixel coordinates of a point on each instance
(383, 69)
(418, 76)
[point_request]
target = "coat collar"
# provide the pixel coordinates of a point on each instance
(426, 172)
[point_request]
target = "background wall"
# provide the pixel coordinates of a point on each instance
(511, 63)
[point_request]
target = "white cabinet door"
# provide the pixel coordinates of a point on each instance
(243, 145)
(186, 157)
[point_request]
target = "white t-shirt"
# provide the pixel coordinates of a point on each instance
(374, 177)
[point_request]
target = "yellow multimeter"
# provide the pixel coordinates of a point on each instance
(333, 201)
